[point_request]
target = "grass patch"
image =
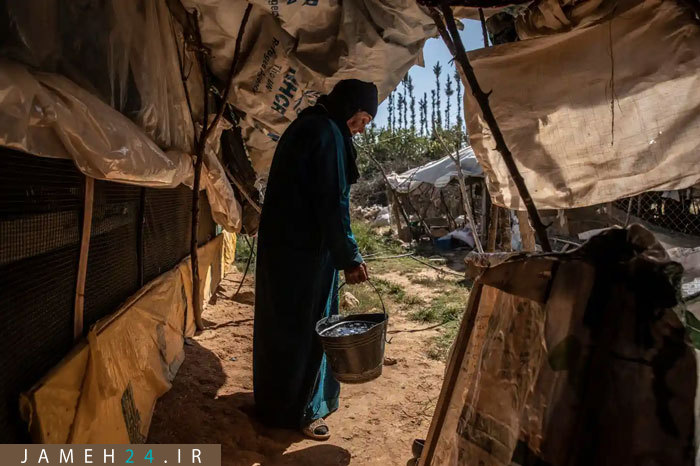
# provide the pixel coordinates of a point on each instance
(372, 243)
(440, 345)
(445, 308)
(243, 252)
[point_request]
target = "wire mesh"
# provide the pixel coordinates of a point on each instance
(134, 229)
(678, 211)
(113, 268)
(40, 206)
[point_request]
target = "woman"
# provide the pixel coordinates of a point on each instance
(304, 240)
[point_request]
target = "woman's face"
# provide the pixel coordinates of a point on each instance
(358, 121)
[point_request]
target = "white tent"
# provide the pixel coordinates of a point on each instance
(439, 173)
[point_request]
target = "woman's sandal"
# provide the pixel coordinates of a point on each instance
(317, 430)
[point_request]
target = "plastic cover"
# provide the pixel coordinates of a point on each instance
(126, 53)
(129, 360)
(292, 53)
(568, 353)
(49, 115)
(608, 110)
(438, 173)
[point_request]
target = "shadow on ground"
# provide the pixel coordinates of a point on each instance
(193, 412)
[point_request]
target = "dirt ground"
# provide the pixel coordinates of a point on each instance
(212, 401)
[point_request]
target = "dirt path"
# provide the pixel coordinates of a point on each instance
(212, 401)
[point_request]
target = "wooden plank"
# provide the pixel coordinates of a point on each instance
(527, 234)
(459, 351)
(79, 305)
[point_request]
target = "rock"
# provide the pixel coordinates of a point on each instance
(389, 361)
(349, 301)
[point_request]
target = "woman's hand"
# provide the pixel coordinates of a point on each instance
(357, 274)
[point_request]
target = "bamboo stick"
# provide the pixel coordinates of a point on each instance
(79, 304)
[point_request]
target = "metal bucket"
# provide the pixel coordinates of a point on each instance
(355, 358)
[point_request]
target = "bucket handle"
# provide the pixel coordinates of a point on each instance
(381, 300)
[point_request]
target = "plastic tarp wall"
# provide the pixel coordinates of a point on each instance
(573, 359)
(293, 52)
(126, 53)
(109, 94)
(438, 173)
(129, 360)
(608, 109)
(48, 115)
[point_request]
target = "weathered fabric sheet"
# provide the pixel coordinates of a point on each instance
(598, 113)
(575, 359)
(293, 52)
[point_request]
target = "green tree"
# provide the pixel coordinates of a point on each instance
(449, 92)
(400, 111)
(432, 112)
(437, 70)
(423, 108)
(458, 82)
(413, 103)
(390, 108)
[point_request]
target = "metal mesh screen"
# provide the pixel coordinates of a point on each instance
(674, 210)
(166, 235)
(113, 269)
(40, 207)
(137, 234)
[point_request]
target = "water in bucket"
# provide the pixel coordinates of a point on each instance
(347, 328)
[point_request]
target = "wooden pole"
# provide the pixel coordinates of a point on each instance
(79, 305)
(454, 366)
(482, 99)
(485, 211)
(493, 228)
(201, 144)
(527, 234)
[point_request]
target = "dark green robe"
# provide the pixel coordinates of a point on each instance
(304, 240)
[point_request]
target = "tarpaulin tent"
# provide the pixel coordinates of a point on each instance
(438, 173)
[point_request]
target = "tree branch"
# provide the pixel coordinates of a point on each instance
(501, 146)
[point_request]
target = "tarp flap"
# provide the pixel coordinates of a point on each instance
(48, 115)
(126, 53)
(562, 375)
(292, 53)
(105, 390)
(602, 112)
(438, 173)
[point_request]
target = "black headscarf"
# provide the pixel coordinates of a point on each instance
(348, 97)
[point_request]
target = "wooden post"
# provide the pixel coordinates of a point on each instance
(454, 365)
(482, 99)
(493, 228)
(527, 234)
(79, 305)
(140, 253)
(201, 143)
(485, 212)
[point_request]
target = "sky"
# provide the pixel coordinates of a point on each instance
(424, 79)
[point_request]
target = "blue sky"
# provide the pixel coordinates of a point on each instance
(424, 79)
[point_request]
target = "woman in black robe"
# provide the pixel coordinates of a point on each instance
(304, 240)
